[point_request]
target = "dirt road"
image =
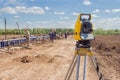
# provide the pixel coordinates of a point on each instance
(48, 61)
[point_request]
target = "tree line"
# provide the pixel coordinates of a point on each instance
(40, 31)
(101, 31)
(43, 31)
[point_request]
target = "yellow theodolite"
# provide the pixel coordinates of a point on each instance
(83, 34)
(83, 28)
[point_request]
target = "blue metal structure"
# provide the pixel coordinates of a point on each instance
(13, 42)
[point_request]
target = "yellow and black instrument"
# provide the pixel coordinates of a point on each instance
(83, 28)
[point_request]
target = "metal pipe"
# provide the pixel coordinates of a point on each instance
(71, 68)
(18, 29)
(78, 66)
(96, 67)
(5, 29)
(84, 72)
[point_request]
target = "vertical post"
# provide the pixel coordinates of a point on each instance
(84, 72)
(5, 29)
(18, 29)
(78, 66)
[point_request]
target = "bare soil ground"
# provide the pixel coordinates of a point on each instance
(107, 51)
(50, 61)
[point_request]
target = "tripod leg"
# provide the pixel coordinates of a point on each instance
(78, 66)
(70, 70)
(94, 61)
(84, 72)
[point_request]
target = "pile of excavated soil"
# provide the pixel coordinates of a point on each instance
(107, 49)
(26, 59)
(106, 45)
(44, 58)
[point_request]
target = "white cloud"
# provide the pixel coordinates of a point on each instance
(59, 13)
(86, 2)
(33, 10)
(23, 9)
(115, 10)
(51, 24)
(107, 11)
(61, 17)
(16, 16)
(10, 2)
(8, 10)
(112, 10)
(13, 2)
(60, 22)
(47, 8)
(28, 22)
(32, 0)
(95, 16)
(96, 11)
(64, 17)
(75, 13)
(42, 22)
(107, 23)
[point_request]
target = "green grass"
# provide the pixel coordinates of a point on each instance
(40, 31)
(106, 32)
(43, 31)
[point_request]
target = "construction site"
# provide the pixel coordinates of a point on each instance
(59, 40)
(50, 61)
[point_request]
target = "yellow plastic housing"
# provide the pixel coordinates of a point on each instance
(77, 29)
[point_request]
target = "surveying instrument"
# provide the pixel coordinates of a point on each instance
(83, 35)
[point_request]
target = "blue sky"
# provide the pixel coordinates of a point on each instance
(59, 13)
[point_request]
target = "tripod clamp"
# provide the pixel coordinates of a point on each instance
(83, 48)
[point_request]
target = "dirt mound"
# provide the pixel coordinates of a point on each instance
(48, 58)
(118, 50)
(44, 58)
(107, 49)
(106, 46)
(26, 59)
(98, 45)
